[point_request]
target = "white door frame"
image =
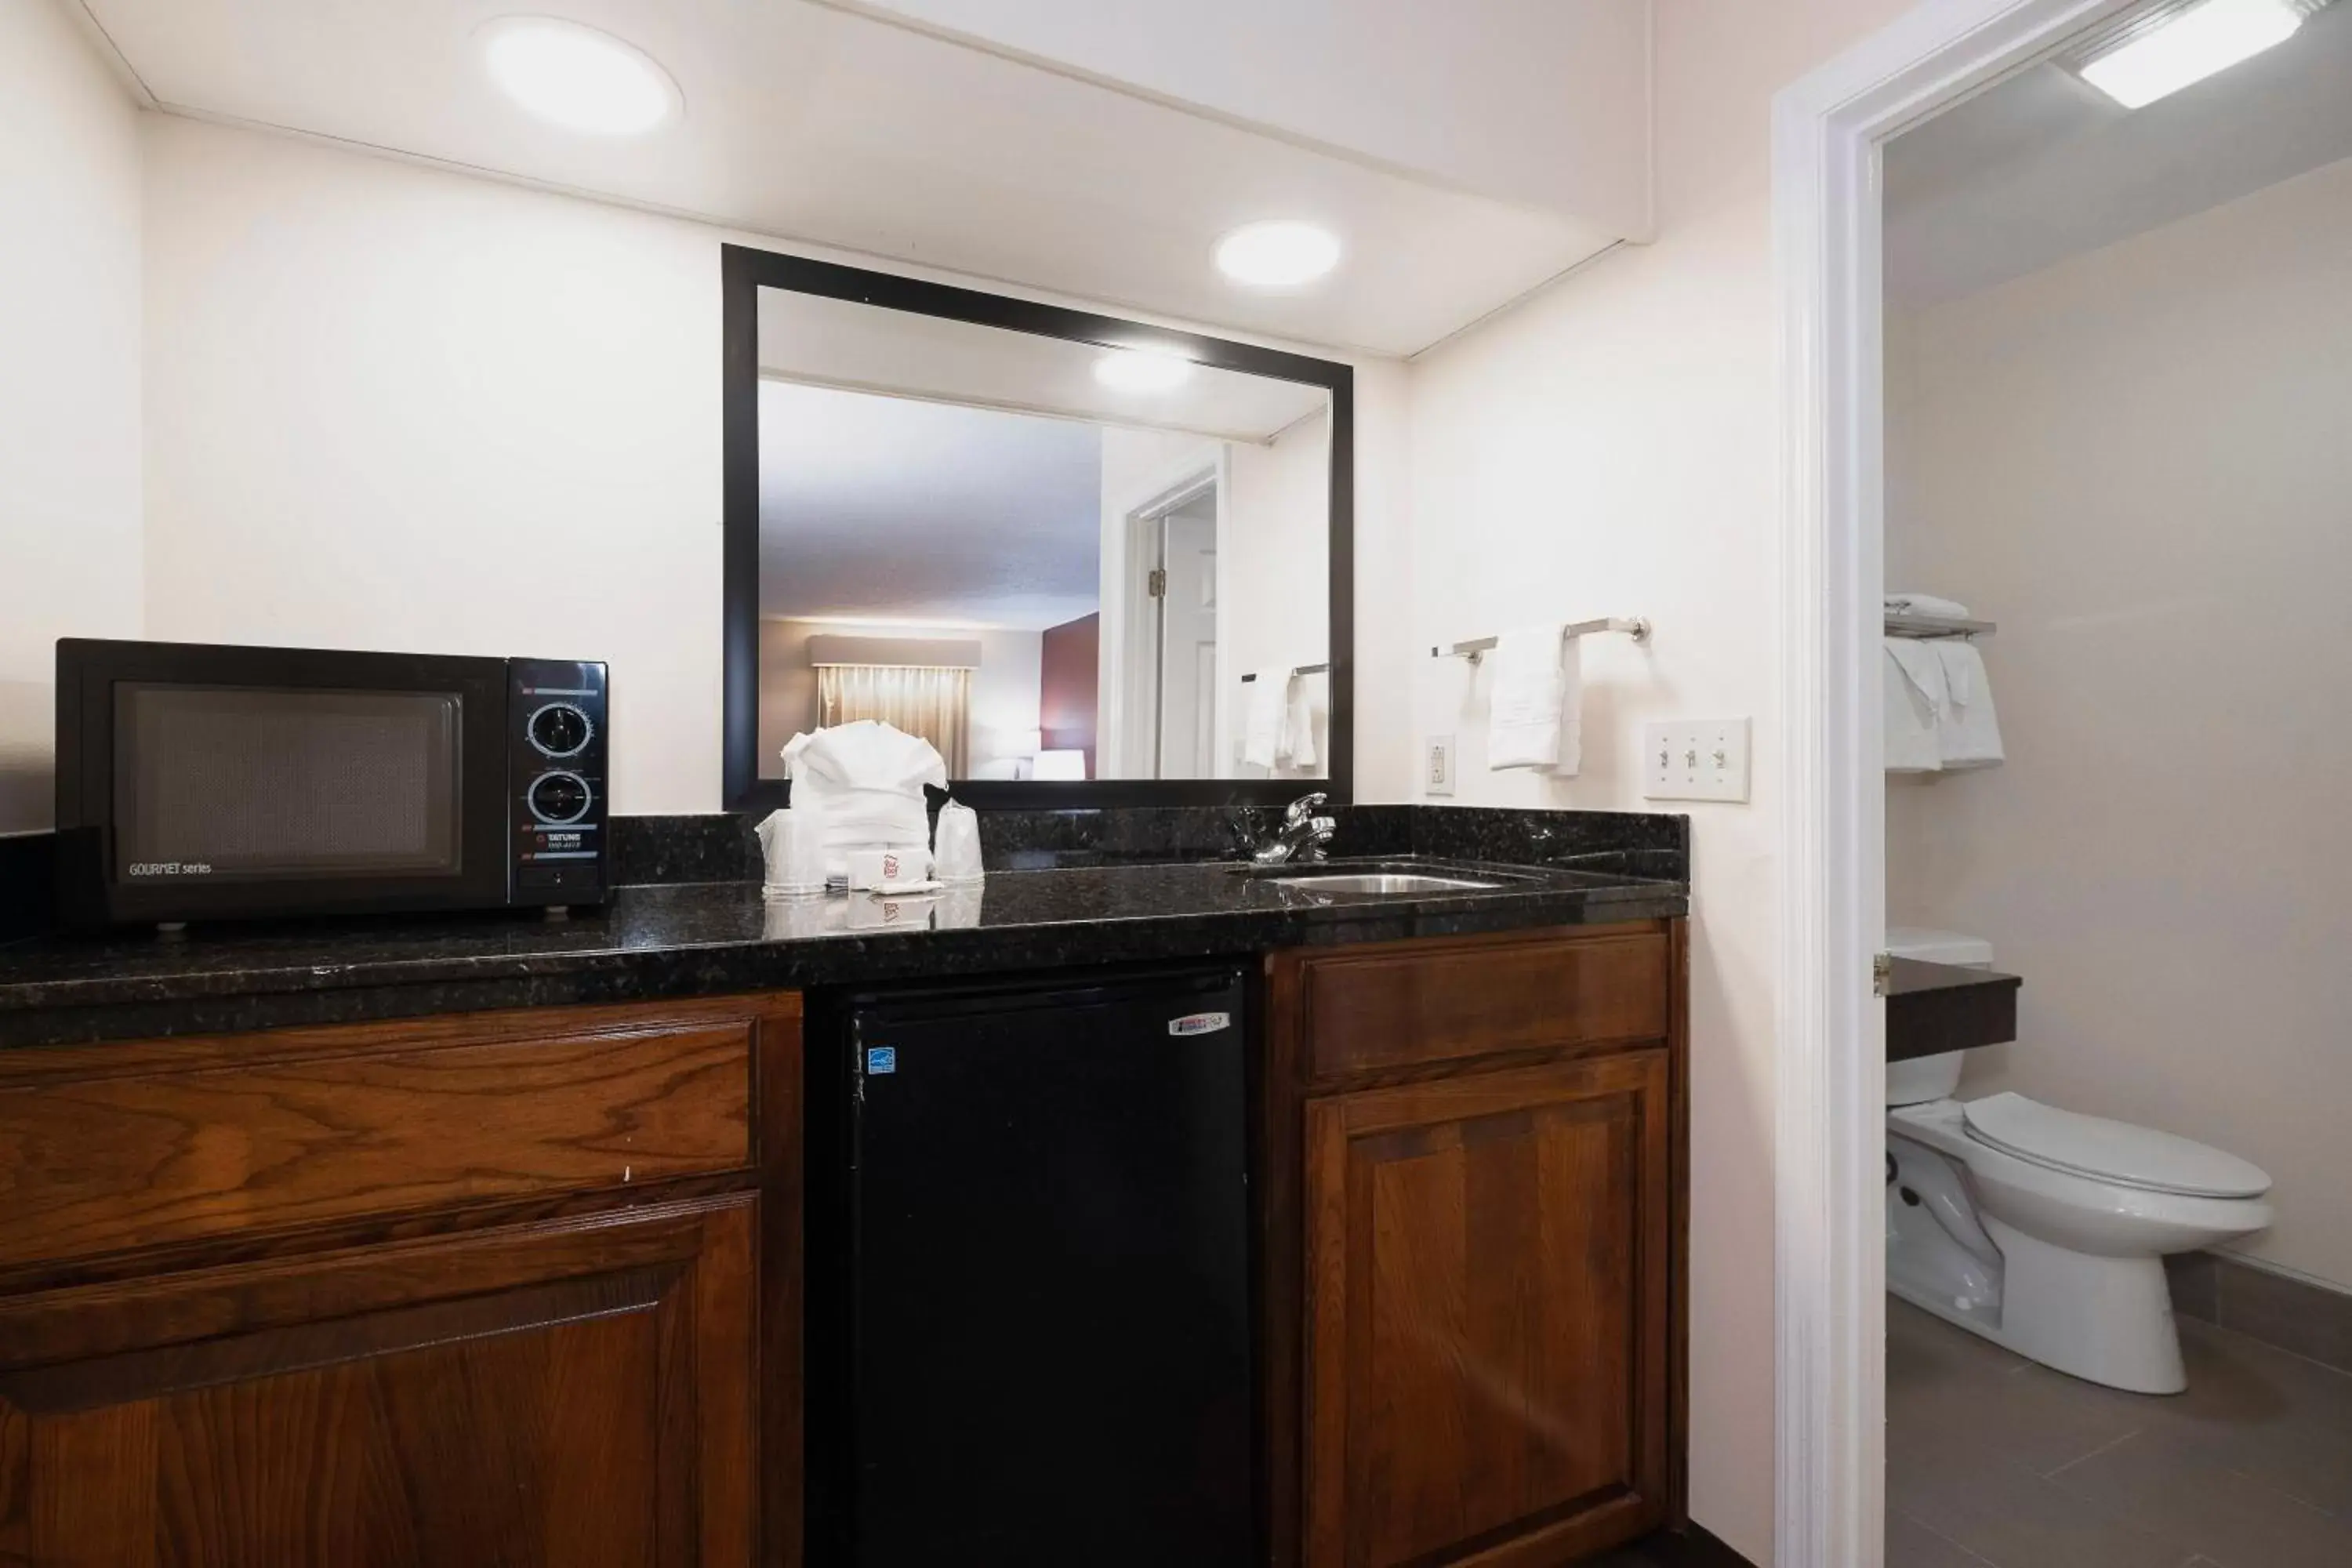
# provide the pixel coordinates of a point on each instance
(1131, 642)
(1830, 1360)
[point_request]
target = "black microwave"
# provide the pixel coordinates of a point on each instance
(205, 782)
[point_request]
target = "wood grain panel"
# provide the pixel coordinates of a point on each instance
(1364, 1009)
(505, 1397)
(1487, 1315)
(115, 1147)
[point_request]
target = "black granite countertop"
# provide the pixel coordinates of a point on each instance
(708, 938)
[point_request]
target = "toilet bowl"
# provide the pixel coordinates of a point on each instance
(2043, 1230)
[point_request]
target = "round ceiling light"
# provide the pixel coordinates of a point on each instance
(577, 78)
(1277, 254)
(1142, 370)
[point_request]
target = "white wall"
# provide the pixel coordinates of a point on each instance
(70, 374)
(2140, 463)
(393, 407)
(1272, 556)
(1005, 691)
(1608, 448)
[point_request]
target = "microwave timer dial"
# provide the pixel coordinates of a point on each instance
(559, 798)
(561, 729)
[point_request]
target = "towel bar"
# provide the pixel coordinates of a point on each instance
(1935, 626)
(1634, 627)
(1296, 669)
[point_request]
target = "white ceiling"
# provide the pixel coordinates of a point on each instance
(840, 343)
(2042, 166)
(887, 509)
(1544, 101)
(811, 122)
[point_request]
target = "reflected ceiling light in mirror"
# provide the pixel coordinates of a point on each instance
(1278, 254)
(1142, 370)
(2170, 49)
(577, 76)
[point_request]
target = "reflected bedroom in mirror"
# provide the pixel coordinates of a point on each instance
(1062, 548)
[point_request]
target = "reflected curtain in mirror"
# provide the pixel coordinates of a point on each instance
(933, 701)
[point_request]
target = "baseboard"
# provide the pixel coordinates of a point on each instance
(2301, 1317)
(1695, 1546)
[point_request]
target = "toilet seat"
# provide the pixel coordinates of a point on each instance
(2117, 1152)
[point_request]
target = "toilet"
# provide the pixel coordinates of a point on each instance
(2041, 1229)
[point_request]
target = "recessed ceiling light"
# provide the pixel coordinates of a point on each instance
(1277, 254)
(2167, 50)
(577, 76)
(1142, 370)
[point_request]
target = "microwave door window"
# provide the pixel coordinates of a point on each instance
(231, 783)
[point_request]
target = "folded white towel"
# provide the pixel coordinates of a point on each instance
(865, 782)
(1297, 748)
(1268, 698)
(1914, 677)
(1925, 604)
(1969, 735)
(1533, 717)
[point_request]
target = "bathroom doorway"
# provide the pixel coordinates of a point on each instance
(1184, 594)
(2056, 395)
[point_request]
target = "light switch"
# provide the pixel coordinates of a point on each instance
(1696, 759)
(1437, 765)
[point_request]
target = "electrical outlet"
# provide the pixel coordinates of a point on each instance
(1696, 759)
(1437, 765)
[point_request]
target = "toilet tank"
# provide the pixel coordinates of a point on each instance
(1924, 1078)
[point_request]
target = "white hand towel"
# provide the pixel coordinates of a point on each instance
(1968, 734)
(1925, 604)
(1269, 697)
(1914, 701)
(1296, 749)
(1533, 716)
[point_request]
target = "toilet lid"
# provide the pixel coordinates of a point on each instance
(2111, 1150)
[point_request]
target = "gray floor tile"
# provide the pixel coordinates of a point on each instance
(2166, 1479)
(1911, 1545)
(2014, 1518)
(2015, 1465)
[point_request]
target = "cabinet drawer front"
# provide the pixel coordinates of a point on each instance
(1430, 1002)
(107, 1148)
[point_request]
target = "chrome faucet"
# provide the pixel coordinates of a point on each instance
(1303, 835)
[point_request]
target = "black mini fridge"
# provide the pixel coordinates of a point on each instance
(1040, 1321)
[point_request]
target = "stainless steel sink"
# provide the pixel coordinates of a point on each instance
(1390, 884)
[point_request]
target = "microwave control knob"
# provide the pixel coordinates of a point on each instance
(559, 729)
(559, 798)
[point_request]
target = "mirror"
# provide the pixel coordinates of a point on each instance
(1081, 556)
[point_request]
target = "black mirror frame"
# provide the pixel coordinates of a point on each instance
(744, 271)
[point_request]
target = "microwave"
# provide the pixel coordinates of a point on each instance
(205, 782)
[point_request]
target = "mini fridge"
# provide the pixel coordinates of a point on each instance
(1031, 1289)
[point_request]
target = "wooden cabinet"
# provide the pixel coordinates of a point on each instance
(1485, 1347)
(461, 1292)
(574, 1394)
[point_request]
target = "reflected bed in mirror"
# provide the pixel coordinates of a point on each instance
(1093, 562)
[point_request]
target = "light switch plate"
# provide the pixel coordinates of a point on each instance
(1694, 759)
(1437, 765)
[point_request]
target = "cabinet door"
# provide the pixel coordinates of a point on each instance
(1489, 1316)
(571, 1394)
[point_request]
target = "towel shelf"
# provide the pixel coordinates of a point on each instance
(1633, 626)
(1296, 669)
(1935, 626)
